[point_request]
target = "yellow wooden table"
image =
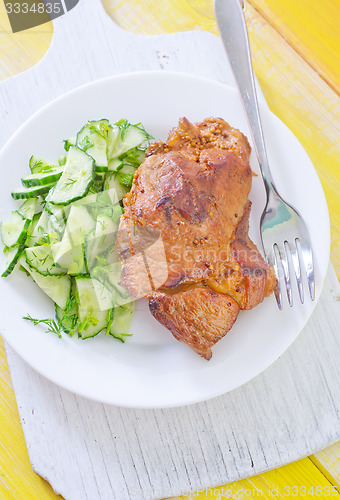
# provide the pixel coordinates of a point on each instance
(296, 52)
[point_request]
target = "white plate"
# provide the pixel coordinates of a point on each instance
(153, 369)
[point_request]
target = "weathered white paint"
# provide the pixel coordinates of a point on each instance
(91, 451)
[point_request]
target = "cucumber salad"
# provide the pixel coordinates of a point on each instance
(63, 232)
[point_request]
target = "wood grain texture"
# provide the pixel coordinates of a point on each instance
(17, 479)
(312, 29)
(309, 27)
(148, 454)
(328, 461)
(298, 480)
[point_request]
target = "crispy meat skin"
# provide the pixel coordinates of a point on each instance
(191, 194)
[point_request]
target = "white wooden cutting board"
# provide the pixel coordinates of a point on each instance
(91, 451)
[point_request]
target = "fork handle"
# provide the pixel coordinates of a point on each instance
(233, 31)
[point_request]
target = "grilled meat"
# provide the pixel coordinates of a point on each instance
(183, 239)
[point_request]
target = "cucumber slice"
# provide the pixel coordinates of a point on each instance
(68, 316)
(115, 165)
(100, 127)
(131, 136)
(47, 229)
(69, 253)
(127, 162)
(28, 208)
(106, 228)
(76, 178)
(96, 186)
(56, 226)
(32, 192)
(12, 257)
(96, 203)
(103, 237)
(113, 273)
(30, 241)
(110, 276)
(56, 219)
(120, 320)
(112, 255)
(60, 211)
(14, 231)
(92, 139)
(134, 157)
(89, 201)
(104, 295)
(70, 142)
(101, 169)
(38, 231)
(58, 288)
(40, 258)
(90, 251)
(41, 179)
(115, 213)
(92, 320)
(116, 190)
(104, 202)
(125, 175)
(100, 176)
(38, 166)
(127, 168)
(62, 161)
(112, 140)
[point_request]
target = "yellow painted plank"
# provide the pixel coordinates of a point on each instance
(22, 50)
(306, 104)
(301, 479)
(328, 461)
(17, 479)
(164, 16)
(312, 27)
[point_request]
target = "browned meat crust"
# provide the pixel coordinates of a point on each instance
(246, 275)
(198, 317)
(211, 133)
(183, 239)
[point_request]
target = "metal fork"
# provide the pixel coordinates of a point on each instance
(284, 234)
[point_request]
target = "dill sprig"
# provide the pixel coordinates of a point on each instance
(70, 182)
(53, 325)
(100, 128)
(85, 143)
(69, 314)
